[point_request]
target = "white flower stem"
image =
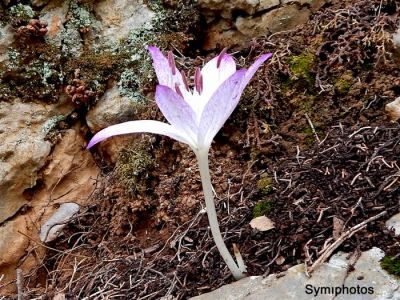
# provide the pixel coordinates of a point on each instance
(202, 158)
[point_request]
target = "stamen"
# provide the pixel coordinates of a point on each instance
(184, 79)
(178, 90)
(220, 56)
(198, 80)
(171, 62)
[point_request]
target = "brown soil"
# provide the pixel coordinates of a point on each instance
(313, 121)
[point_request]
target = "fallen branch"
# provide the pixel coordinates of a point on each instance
(349, 233)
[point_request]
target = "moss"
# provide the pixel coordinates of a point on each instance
(262, 208)
(133, 162)
(343, 83)
(264, 185)
(391, 265)
(301, 65)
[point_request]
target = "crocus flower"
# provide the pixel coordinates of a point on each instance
(195, 117)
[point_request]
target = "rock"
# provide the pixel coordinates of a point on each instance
(111, 109)
(69, 176)
(371, 281)
(225, 8)
(53, 227)
(221, 35)
(23, 151)
(280, 19)
(394, 222)
(6, 40)
(55, 14)
(313, 4)
(120, 17)
(267, 4)
(393, 109)
(262, 223)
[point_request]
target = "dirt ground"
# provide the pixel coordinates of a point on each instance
(310, 146)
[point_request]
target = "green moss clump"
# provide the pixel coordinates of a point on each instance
(262, 208)
(343, 84)
(391, 265)
(133, 162)
(264, 185)
(301, 66)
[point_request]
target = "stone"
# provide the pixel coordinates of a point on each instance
(23, 151)
(112, 108)
(394, 222)
(267, 4)
(39, 3)
(120, 17)
(55, 14)
(280, 19)
(6, 40)
(53, 227)
(226, 8)
(393, 109)
(313, 4)
(221, 35)
(296, 285)
(69, 176)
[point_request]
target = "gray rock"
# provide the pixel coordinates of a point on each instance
(296, 285)
(394, 222)
(6, 40)
(280, 19)
(120, 17)
(111, 109)
(55, 14)
(53, 227)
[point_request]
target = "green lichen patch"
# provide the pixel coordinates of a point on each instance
(20, 14)
(132, 163)
(391, 265)
(262, 208)
(264, 185)
(343, 83)
(301, 67)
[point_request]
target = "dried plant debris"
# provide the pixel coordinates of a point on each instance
(351, 177)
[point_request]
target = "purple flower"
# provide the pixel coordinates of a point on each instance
(195, 116)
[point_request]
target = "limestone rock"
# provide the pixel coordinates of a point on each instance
(23, 151)
(296, 285)
(313, 4)
(55, 14)
(111, 109)
(394, 222)
(119, 17)
(53, 227)
(6, 39)
(280, 19)
(221, 35)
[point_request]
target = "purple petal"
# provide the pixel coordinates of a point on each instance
(177, 111)
(224, 101)
(143, 126)
(220, 107)
(216, 71)
(254, 67)
(166, 72)
(161, 65)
